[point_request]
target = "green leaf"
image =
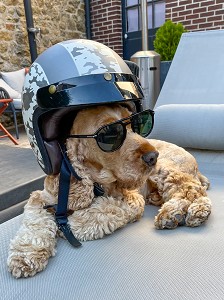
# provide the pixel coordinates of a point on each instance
(167, 39)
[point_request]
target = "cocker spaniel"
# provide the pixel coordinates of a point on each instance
(141, 171)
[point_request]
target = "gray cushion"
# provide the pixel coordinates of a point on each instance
(199, 126)
(17, 103)
(136, 262)
(15, 79)
(12, 93)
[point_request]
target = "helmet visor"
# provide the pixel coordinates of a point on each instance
(90, 89)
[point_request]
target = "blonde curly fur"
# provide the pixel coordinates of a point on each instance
(174, 182)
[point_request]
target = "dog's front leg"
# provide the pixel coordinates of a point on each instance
(35, 241)
(136, 203)
(103, 217)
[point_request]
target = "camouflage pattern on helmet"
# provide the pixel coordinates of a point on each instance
(103, 59)
(65, 60)
(35, 79)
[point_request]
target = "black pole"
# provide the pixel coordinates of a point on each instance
(88, 19)
(30, 29)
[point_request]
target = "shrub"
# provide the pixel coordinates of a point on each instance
(167, 39)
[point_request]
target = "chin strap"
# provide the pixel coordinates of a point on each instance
(61, 214)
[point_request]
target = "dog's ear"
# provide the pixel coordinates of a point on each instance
(76, 154)
(98, 173)
(76, 149)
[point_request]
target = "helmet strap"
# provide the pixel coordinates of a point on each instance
(61, 210)
(61, 218)
(97, 188)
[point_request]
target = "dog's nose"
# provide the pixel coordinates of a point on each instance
(150, 157)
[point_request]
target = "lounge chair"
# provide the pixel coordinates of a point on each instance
(139, 262)
(11, 84)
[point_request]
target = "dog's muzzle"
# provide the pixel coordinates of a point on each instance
(150, 158)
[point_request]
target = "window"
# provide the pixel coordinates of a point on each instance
(156, 14)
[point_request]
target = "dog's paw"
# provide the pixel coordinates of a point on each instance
(172, 214)
(169, 220)
(198, 212)
(26, 264)
(204, 181)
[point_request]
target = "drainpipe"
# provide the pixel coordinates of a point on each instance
(32, 31)
(88, 19)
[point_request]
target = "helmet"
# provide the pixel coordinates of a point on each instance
(65, 78)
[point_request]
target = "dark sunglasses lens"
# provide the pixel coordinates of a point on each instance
(142, 123)
(111, 137)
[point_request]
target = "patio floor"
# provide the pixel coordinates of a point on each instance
(20, 173)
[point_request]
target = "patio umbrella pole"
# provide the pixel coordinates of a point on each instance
(31, 29)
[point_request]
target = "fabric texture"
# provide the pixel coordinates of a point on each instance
(135, 262)
(12, 93)
(15, 79)
(197, 126)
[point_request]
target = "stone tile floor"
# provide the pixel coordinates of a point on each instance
(18, 164)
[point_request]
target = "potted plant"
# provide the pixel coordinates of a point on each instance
(166, 41)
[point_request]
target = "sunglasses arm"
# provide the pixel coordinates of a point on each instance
(82, 136)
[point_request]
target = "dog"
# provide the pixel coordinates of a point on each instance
(131, 177)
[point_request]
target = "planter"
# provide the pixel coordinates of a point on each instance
(164, 68)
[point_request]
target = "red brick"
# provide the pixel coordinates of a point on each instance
(177, 8)
(199, 10)
(191, 27)
(193, 5)
(207, 3)
(219, 12)
(184, 2)
(170, 1)
(192, 17)
(102, 10)
(215, 18)
(195, 1)
(205, 26)
(185, 12)
(217, 27)
(185, 23)
(171, 5)
(207, 14)
(219, 23)
(178, 19)
(200, 20)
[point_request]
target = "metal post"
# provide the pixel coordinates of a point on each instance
(145, 43)
(30, 29)
(149, 64)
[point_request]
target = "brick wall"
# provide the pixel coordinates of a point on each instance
(196, 14)
(106, 23)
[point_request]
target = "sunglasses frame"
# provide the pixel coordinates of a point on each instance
(122, 122)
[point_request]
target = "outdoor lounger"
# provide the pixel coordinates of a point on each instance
(139, 262)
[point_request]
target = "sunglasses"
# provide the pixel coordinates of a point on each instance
(111, 137)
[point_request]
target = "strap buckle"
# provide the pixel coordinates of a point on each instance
(62, 222)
